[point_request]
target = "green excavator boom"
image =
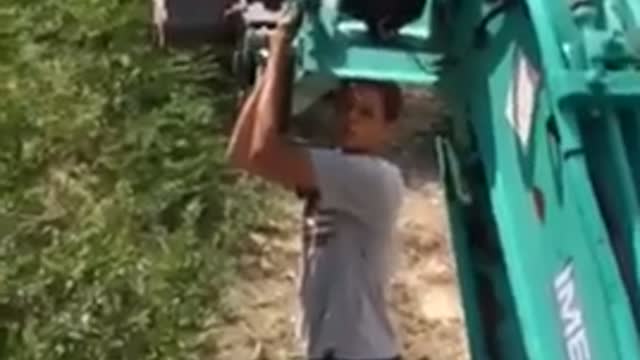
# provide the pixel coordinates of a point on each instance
(540, 163)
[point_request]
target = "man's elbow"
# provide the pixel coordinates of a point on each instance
(237, 158)
(261, 150)
(253, 161)
(249, 160)
(259, 155)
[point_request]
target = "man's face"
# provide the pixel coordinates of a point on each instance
(363, 124)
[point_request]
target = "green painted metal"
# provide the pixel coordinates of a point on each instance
(337, 45)
(547, 244)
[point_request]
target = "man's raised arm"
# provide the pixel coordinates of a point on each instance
(269, 154)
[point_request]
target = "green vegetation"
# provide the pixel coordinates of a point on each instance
(118, 216)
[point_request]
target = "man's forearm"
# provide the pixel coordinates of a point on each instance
(257, 124)
(270, 156)
(271, 102)
(239, 148)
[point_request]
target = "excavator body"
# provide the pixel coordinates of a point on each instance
(539, 159)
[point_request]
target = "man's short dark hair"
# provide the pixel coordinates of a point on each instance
(391, 95)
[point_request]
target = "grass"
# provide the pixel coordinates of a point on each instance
(119, 218)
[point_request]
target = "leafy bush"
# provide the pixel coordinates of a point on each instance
(117, 213)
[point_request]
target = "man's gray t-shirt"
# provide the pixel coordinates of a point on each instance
(347, 255)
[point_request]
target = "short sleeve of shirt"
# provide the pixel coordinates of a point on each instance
(349, 182)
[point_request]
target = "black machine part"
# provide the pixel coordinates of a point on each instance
(196, 22)
(383, 17)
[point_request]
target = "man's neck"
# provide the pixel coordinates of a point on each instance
(354, 151)
(359, 151)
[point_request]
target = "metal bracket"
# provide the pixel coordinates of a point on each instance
(448, 163)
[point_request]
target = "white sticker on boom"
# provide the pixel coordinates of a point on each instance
(571, 314)
(521, 98)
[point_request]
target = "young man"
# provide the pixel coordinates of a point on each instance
(353, 197)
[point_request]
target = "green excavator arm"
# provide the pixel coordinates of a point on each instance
(540, 160)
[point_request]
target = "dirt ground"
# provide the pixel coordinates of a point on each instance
(424, 297)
